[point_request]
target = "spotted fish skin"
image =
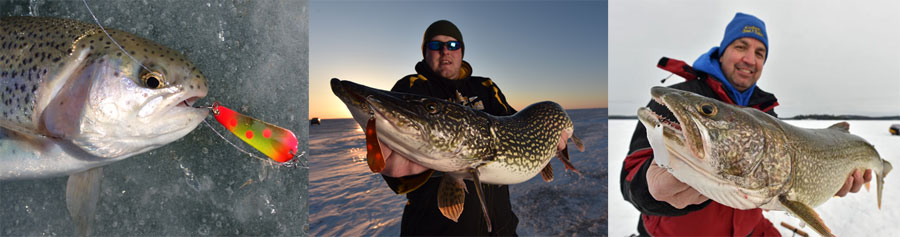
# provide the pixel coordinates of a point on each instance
(71, 100)
(744, 158)
(30, 50)
(449, 137)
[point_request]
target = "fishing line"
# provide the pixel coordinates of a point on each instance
(293, 162)
(111, 38)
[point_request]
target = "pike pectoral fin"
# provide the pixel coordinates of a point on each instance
(373, 149)
(547, 173)
(451, 197)
(82, 194)
(480, 192)
(807, 214)
(407, 184)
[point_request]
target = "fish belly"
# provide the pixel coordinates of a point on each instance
(501, 173)
(35, 157)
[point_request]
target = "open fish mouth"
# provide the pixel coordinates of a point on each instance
(689, 130)
(662, 120)
(189, 102)
(177, 106)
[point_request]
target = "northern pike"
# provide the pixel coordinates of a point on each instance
(745, 158)
(462, 142)
(71, 101)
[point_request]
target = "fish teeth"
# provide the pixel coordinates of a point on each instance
(666, 121)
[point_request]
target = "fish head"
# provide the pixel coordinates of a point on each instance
(115, 106)
(741, 146)
(428, 128)
(421, 128)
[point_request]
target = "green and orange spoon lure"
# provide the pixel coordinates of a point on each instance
(276, 142)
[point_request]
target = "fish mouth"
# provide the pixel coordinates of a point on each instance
(649, 117)
(189, 102)
(367, 103)
(354, 97)
(349, 92)
(687, 129)
(185, 103)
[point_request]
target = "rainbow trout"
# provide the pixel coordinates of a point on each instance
(745, 158)
(72, 101)
(460, 141)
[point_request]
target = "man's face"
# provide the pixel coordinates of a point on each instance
(444, 62)
(742, 62)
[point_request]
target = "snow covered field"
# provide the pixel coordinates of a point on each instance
(348, 199)
(854, 215)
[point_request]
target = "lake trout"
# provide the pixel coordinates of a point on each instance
(462, 142)
(72, 101)
(745, 158)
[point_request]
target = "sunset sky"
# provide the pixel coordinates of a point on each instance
(533, 50)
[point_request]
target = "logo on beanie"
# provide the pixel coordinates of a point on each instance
(753, 29)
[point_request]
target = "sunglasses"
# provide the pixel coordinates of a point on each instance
(437, 45)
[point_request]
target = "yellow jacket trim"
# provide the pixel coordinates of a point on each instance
(412, 80)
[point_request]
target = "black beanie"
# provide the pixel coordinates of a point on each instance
(442, 27)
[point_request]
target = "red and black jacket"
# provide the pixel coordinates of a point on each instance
(708, 218)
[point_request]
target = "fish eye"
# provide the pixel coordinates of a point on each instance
(153, 80)
(708, 109)
(431, 107)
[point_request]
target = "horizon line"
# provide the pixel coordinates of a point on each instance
(320, 118)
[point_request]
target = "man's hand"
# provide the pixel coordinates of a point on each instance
(665, 187)
(854, 182)
(395, 165)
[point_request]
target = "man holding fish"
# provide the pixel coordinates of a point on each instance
(727, 73)
(443, 74)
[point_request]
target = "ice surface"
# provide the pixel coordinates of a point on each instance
(856, 214)
(346, 198)
(254, 55)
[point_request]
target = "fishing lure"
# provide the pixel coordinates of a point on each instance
(276, 142)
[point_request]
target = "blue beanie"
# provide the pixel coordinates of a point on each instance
(744, 25)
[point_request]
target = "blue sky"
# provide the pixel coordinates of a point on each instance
(534, 50)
